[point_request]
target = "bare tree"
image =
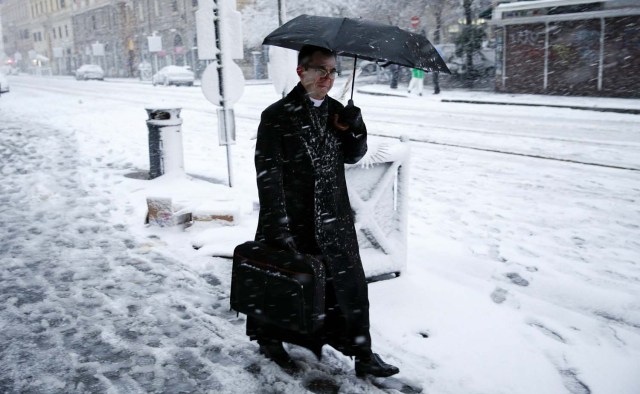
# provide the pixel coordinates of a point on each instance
(437, 10)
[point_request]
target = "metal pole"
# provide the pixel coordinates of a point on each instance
(223, 102)
(282, 12)
(601, 60)
(545, 82)
(353, 77)
(155, 60)
(504, 57)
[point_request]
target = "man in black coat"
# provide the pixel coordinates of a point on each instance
(303, 142)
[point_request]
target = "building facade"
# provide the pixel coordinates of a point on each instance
(60, 35)
(172, 24)
(115, 34)
(16, 32)
(52, 36)
(102, 28)
(569, 47)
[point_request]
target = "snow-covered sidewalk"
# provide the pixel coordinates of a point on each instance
(605, 104)
(87, 306)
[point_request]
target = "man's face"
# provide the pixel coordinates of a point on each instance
(312, 78)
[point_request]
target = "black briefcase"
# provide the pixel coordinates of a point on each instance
(278, 287)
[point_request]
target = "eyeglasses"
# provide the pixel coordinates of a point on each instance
(323, 73)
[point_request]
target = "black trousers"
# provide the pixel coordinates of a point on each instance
(350, 336)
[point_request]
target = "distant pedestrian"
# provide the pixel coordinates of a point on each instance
(417, 81)
(436, 76)
(395, 75)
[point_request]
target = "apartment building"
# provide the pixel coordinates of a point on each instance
(60, 35)
(172, 23)
(51, 35)
(16, 31)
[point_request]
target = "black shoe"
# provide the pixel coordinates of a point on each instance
(274, 351)
(374, 366)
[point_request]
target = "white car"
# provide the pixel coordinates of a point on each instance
(89, 71)
(173, 75)
(4, 83)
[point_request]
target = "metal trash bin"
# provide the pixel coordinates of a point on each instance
(165, 141)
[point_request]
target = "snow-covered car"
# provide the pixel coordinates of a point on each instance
(89, 71)
(9, 70)
(4, 83)
(484, 61)
(373, 72)
(173, 75)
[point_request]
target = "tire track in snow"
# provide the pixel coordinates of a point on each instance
(425, 141)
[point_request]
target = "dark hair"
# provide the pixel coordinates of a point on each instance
(308, 50)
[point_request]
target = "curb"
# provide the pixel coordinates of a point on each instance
(599, 109)
(631, 111)
(382, 93)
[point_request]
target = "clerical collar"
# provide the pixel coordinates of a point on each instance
(316, 102)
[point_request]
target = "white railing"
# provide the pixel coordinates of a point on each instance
(378, 191)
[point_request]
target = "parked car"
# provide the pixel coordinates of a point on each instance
(9, 70)
(89, 71)
(484, 61)
(373, 72)
(4, 83)
(173, 75)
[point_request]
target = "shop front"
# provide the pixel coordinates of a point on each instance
(569, 47)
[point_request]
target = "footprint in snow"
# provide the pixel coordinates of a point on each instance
(517, 279)
(499, 295)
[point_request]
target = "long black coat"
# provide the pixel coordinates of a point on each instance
(286, 186)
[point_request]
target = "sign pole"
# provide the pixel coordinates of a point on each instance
(223, 102)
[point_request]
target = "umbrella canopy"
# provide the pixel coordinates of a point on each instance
(359, 38)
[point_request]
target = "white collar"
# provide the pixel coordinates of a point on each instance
(316, 102)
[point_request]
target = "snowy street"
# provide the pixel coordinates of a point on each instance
(523, 263)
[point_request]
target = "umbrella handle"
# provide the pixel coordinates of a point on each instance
(353, 77)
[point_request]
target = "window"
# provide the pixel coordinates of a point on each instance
(62, 5)
(60, 31)
(174, 5)
(66, 31)
(94, 23)
(54, 33)
(194, 3)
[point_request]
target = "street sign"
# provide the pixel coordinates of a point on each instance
(233, 84)
(219, 29)
(205, 31)
(231, 29)
(97, 49)
(282, 69)
(155, 43)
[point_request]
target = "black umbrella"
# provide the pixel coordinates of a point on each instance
(359, 38)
